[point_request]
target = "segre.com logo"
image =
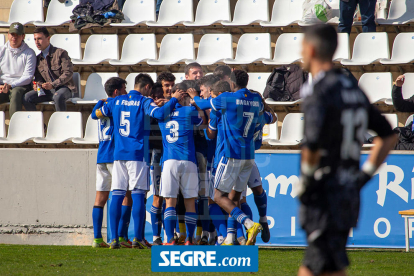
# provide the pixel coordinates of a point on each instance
(204, 259)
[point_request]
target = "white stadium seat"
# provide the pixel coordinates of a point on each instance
(248, 12)
(369, 48)
(99, 48)
(214, 48)
(29, 40)
(77, 81)
(409, 120)
(137, 48)
(24, 126)
(211, 12)
(62, 126)
(407, 88)
(2, 40)
(130, 79)
(288, 49)
(69, 42)
(94, 90)
(342, 51)
(2, 125)
(400, 12)
(377, 86)
(58, 13)
(91, 133)
(24, 12)
(179, 77)
(402, 50)
(174, 12)
(257, 81)
(137, 13)
(270, 132)
(292, 131)
(252, 48)
(175, 48)
(285, 13)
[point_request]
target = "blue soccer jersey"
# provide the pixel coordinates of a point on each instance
(216, 125)
(265, 118)
(177, 130)
(240, 113)
(105, 133)
(131, 119)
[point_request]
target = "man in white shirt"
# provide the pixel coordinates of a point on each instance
(17, 67)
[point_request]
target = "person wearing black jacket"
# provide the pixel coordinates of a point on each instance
(401, 104)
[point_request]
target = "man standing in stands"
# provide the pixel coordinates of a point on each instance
(347, 10)
(193, 71)
(167, 81)
(17, 66)
(53, 75)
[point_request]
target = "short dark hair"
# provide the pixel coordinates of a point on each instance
(208, 80)
(222, 70)
(220, 87)
(141, 80)
(112, 84)
(190, 66)
(240, 78)
(157, 87)
(165, 76)
(191, 84)
(42, 30)
(324, 38)
(179, 86)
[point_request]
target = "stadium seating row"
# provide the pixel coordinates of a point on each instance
(213, 48)
(209, 12)
(63, 127)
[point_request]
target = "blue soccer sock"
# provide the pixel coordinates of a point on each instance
(170, 221)
(144, 221)
(239, 230)
(231, 229)
(261, 203)
(190, 223)
(124, 221)
(218, 219)
(203, 214)
(138, 211)
(238, 215)
(246, 209)
(156, 221)
(115, 212)
(97, 218)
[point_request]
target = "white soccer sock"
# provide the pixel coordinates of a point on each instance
(263, 219)
(230, 238)
(220, 240)
(248, 223)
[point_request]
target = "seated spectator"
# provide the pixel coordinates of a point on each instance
(53, 75)
(167, 81)
(17, 66)
(347, 10)
(401, 104)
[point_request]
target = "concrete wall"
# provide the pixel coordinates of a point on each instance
(47, 195)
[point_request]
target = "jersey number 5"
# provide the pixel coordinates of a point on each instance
(173, 126)
(355, 123)
(125, 122)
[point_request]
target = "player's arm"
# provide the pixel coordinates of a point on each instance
(201, 103)
(269, 115)
(105, 110)
(97, 106)
(160, 113)
(212, 126)
(383, 143)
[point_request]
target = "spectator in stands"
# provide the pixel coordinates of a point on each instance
(167, 80)
(401, 104)
(223, 72)
(17, 66)
(53, 75)
(193, 71)
(347, 10)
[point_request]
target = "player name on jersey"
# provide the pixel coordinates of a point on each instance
(246, 102)
(128, 103)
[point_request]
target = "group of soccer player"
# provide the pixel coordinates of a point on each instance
(195, 142)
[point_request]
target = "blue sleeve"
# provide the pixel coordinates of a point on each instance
(201, 103)
(151, 109)
(195, 117)
(219, 103)
(97, 106)
(213, 121)
(106, 109)
(268, 117)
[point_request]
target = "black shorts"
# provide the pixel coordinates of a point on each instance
(326, 252)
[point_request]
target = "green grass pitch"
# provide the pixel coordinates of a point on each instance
(84, 260)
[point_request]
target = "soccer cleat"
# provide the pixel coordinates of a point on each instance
(224, 243)
(124, 243)
(252, 232)
(114, 244)
(203, 241)
(158, 241)
(188, 243)
(137, 244)
(265, 232)
(212, 241)
(172, 242)
(146, 243)
(241, 240)
(99, 243)
(181, 240)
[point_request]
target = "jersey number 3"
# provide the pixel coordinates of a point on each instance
(173, 126)
(355, 123)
